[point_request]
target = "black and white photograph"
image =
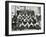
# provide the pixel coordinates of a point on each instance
(25, 18)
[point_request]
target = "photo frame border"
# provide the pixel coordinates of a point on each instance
(7, 17)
